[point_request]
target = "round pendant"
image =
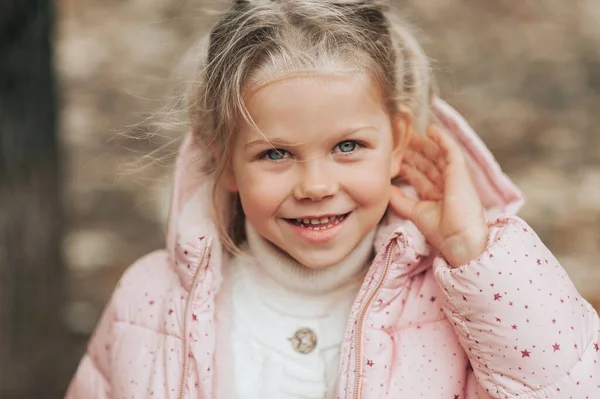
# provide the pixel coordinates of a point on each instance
(304, 341)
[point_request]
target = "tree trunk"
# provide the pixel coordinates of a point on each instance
(32, 274)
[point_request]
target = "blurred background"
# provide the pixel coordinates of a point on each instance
(84, 187)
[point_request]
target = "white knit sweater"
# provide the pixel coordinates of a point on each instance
(272, 297)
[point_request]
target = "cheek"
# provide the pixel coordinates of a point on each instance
(260, 195)
(371, 183)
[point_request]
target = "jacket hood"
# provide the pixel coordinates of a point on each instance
(191, 221)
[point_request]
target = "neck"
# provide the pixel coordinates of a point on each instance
(294, 276)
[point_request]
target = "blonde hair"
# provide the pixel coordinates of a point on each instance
(255, 41)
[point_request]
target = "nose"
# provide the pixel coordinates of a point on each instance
(316, 181)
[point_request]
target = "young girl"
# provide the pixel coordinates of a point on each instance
(300, 266)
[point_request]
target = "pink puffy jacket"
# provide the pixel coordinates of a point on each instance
(507, 325)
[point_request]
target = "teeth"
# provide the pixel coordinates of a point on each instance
(323, 223)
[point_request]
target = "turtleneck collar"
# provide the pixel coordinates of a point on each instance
(293, 276)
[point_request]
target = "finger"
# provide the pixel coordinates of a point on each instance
(450, 148)
(401, 204)
(426, 166)
(430, 150)
(456, 172)
(426, 146)
(425, 188)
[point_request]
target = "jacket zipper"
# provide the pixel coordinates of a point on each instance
(361, 320)
(185, 318)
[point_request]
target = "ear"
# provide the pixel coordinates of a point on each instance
(402, 132)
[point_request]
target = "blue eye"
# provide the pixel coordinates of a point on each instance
(347, 146)
(275, 154)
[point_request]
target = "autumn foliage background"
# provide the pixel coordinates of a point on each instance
(525, 74)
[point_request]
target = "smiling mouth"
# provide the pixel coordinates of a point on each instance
(323, 223)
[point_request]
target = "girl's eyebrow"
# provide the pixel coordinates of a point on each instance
(271, 141)
(275, 141)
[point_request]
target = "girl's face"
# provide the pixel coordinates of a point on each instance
(321, 181)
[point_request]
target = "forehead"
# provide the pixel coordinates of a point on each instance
(299, 81)
(315, 102)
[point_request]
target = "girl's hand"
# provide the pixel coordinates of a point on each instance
(448, 211)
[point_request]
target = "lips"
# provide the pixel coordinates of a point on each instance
(321, 223)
